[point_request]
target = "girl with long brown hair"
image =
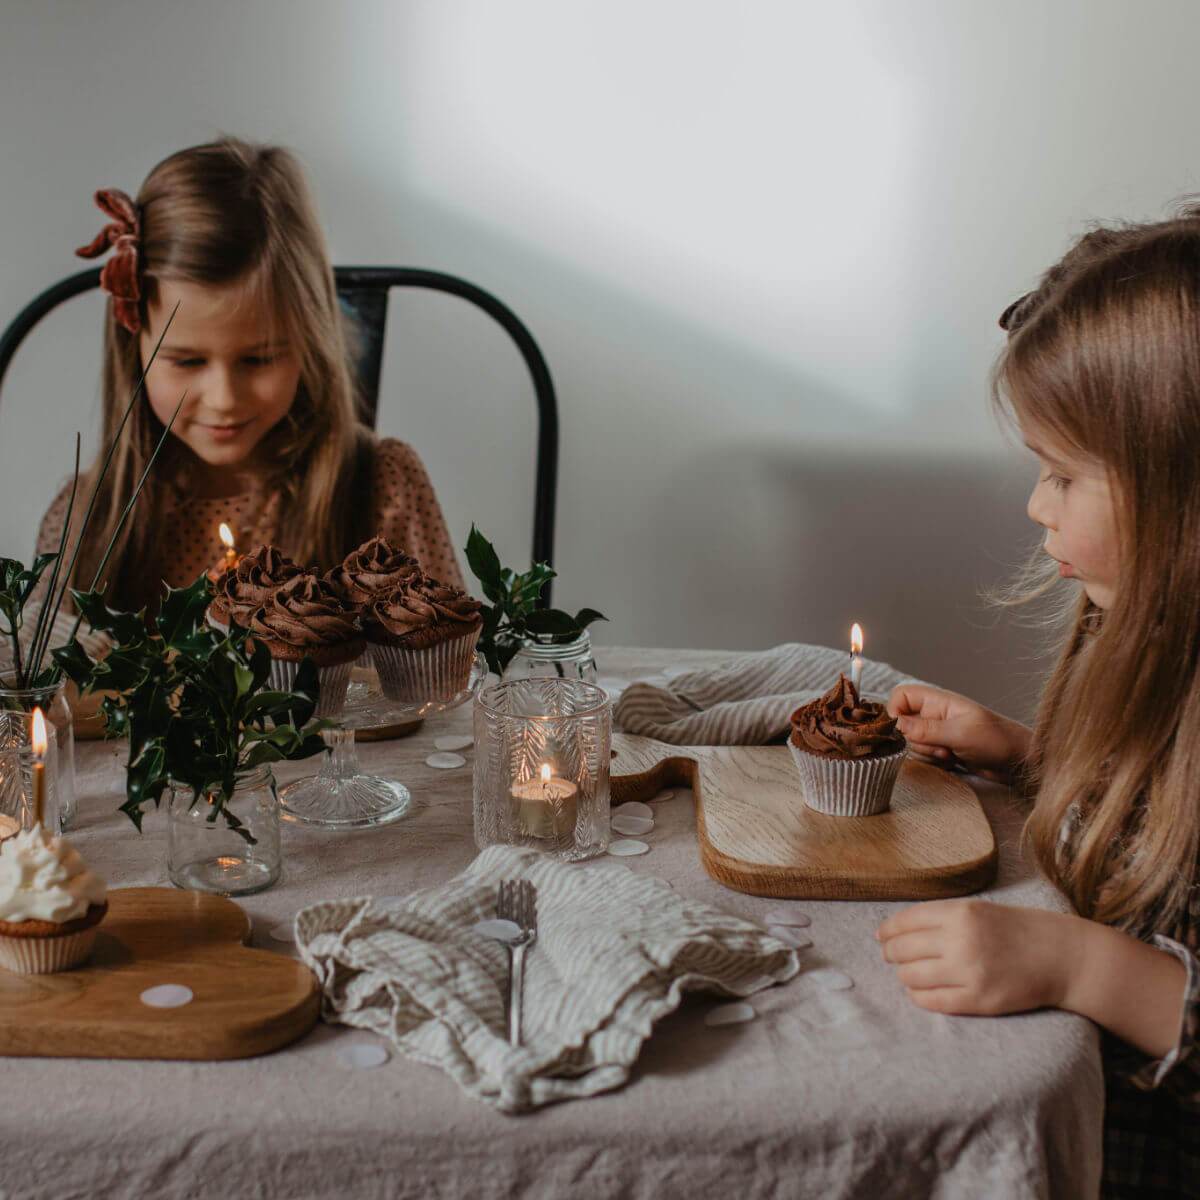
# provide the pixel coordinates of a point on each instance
(1101, 375)
(268, 439)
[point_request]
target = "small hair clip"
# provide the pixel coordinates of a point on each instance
(119, 276)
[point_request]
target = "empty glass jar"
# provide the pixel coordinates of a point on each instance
(552, 656)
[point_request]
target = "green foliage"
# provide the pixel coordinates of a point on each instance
(513, 615)
(194, 703)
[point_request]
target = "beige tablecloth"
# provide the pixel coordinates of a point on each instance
(826, 1094)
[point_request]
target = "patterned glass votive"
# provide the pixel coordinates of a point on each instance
(541, 766)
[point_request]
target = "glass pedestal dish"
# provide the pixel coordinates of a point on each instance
(341, 795)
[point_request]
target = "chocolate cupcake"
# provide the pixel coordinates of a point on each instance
(306, 618)
(422, 638)
(241, 590)
(373, 570)
(848, 752)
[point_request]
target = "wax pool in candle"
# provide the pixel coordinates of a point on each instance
(546, 805)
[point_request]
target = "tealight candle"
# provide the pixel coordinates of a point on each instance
(38, 739)
(856, 660)
(546, 805)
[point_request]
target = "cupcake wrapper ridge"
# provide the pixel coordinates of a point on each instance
(841, 787)
(437, 672)
(332, 683)
(46, 955)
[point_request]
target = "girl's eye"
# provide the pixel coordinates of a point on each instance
(260, 360)
(187, 362)
(1060, 482)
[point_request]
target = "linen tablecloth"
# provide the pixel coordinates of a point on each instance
(826, 1094)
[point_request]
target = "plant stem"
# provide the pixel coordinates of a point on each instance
(16, 638)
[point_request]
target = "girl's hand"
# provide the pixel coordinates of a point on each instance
(970, 956)
(949, 729)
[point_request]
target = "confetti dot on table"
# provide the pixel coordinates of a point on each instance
(829, 978)
(284, 932)
(782, 914)
(790, 937)
(633, 808)
(730, 1014)
(663, 797)
(627, 848)
(498, 929)
(624, 824)
(167, 995)
(454, 741)
(362, 1056)
(446, 762)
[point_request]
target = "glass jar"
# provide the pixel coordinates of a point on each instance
(16, 710)
(206, 854)
(541, 766)
(554, 656)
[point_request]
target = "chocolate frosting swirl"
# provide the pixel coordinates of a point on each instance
(373, 570)
(305, 611)
(423, 603)
(244, 588)
(840, 724)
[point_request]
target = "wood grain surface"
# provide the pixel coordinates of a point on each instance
(246, 1001)
(757, 835)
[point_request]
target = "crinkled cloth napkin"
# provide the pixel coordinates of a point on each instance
(745, 702)
(615, 952)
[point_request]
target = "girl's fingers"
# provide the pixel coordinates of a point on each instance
(927, 973)
(909, 920)
(939, 999)
(912, 947)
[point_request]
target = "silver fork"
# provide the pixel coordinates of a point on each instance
(517, 902)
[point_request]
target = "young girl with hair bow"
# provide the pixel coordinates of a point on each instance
(1101, 374)
(268, 439)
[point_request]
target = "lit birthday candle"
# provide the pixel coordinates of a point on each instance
(856, 660)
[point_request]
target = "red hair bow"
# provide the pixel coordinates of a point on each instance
(119, 276)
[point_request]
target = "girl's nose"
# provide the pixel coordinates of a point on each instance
(1037, 508)
(220, 393)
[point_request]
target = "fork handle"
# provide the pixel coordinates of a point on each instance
(516, 980)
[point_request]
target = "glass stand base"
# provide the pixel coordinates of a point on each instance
(340, 796)
(226, 875)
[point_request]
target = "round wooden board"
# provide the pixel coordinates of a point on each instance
(757, 835)
(246, 1001)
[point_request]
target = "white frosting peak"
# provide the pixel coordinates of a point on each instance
(43, 878)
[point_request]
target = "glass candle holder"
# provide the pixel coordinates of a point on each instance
(17, 777)
(16, 708)
(542, 750)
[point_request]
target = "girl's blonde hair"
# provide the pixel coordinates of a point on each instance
(1104, 360)
(229, 212)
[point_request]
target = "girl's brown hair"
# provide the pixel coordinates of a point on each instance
(1104, 360)
(222, 213)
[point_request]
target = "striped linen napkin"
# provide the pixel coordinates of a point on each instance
(745, 702)
(615, 952)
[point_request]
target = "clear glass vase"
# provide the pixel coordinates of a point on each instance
(554, 656)
(16, 710)
(206, 854)
(541, 766)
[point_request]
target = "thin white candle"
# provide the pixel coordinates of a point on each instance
(856, 660)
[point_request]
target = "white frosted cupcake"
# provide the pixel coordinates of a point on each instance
(847, 751)
(50, 904)
(422, 638)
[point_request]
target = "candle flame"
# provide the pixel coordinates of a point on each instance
(545, 772)
(39, 734)
(856, 638)
(226, 536)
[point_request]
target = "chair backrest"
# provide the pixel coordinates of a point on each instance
(364, 290)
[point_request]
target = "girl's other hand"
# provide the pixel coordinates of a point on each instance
(949, 729)
(974, 957)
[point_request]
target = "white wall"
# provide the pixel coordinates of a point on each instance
(762, 245)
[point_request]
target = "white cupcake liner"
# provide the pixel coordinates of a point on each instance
(847, 787)
(332, 683)
(437, 672)
(45, 955)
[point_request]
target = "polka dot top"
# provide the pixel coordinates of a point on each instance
(406, 512)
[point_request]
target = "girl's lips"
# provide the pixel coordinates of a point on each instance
(225, 433)
(1066, 570)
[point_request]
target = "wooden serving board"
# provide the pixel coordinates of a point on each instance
(757, 835)
(245, 1001)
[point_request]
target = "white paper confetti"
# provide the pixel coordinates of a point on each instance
(498, 929)
(828, 978)
(635, 825)
(782, 914)
(445, 762)
(796, 938)
(730, 1014)
(633, 808)
(663, 797)
(167, 995)
(284, 932)
(362, 1056)
(627, 848)
(454, 741)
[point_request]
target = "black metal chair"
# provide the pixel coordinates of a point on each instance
(364, 290)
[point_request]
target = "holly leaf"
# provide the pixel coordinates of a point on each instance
(586, 616)
(181, 613)
(552, 621)
(485, 565)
